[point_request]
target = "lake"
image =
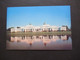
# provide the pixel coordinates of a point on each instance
(42, 42)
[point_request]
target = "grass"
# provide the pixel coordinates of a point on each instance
(39, 33)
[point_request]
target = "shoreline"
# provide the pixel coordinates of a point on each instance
(39, 33)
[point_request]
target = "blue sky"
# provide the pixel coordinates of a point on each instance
(37, 15)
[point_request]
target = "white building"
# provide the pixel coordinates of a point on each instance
(63, 28)
(43, 28)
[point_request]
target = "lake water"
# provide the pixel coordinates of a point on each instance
(43, 42)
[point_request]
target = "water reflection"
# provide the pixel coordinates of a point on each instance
(43, 42)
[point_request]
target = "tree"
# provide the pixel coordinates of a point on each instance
(18, 27)
(12, 27)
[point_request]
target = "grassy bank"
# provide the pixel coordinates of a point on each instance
(39, 33)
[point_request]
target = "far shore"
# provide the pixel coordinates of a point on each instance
(38, 33)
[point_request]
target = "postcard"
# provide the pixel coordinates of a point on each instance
(39, 28)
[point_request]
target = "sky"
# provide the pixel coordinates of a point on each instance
(37, 15)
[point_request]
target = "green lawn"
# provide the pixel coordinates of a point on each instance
(39, 33)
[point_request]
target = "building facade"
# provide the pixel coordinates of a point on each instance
(43, 28)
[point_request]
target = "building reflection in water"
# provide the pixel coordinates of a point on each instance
(44, 38)
(55, 42)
